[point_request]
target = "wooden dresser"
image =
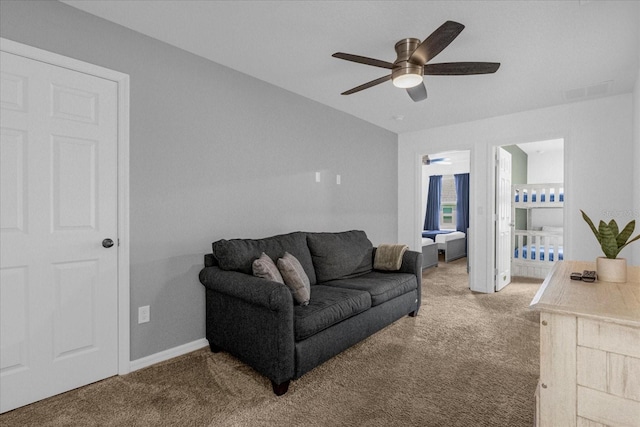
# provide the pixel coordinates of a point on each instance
(589, 350)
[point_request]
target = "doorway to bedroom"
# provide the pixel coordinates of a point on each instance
(532, 210)
(445, 206)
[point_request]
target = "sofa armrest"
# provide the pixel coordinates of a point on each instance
(251, 318)
(412, 263)
(255, 290)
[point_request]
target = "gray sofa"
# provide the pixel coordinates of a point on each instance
(257, 320)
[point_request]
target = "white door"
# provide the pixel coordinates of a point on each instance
(58, 195)
(503, 218)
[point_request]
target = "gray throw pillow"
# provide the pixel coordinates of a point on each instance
(295, 278)
(265, 268)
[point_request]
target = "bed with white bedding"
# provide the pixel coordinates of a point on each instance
(453, 243)
(429, 253)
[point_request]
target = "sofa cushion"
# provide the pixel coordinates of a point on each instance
(383, 286)
(265, 268)
(328, 306)
(295, 278)
(239, 254)
(340, 255)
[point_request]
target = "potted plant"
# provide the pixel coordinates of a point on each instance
(610, 268)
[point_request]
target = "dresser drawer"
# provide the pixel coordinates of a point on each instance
(609, 337)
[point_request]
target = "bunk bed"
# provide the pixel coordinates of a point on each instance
(536, 250)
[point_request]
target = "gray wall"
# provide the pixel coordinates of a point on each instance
(216, 154)
(518, 176)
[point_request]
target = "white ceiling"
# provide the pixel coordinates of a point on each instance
(545, 48)
(539, 147)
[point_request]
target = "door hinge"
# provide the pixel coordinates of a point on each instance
(118, 242)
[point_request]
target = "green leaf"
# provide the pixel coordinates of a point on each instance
(593, 227)
(632, 240)
(613, 226)
(608, 241)
(626, 233)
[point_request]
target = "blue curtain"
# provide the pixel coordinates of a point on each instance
(462, 205)
(432, 217)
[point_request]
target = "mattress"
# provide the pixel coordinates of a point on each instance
(431, 234)
(427, 241)
(443, 238)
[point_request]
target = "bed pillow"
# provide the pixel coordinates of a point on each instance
(265, 268)
(295, 278)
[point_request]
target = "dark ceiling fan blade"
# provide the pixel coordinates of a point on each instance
(367, 85)
(418, 93)
(461, 68)
(436, 42)
(363, 60)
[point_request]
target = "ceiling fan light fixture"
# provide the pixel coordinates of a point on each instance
(412, 57)
(405, 74)
(407, 80)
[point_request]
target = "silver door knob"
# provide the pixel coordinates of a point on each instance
(107, 243)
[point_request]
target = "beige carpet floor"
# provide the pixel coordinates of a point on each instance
(468, 359)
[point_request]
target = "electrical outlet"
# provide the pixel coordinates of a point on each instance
(143, 314)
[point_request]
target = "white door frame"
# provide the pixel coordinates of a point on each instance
(501, 200)
(418, 220)
(122, 81)
(568, 205)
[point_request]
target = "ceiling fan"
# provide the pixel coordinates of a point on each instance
(411, 62)
(426, 160)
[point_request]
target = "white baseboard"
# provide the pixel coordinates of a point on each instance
(167, 354)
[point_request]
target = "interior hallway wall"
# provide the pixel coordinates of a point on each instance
(216, 154)
(599, 170)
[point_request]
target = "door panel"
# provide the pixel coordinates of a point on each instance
(74, 183)
(503, 219)
(58, 191)
(75, 293)
(13, 168)
(14, 312)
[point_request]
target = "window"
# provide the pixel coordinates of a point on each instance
(448, 202)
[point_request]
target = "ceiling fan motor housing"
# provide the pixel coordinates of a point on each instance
(404, 48)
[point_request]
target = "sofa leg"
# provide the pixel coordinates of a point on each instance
(280, 389)
(413, 313)
(214, 348)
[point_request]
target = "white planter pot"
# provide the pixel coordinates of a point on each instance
(611, 270)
